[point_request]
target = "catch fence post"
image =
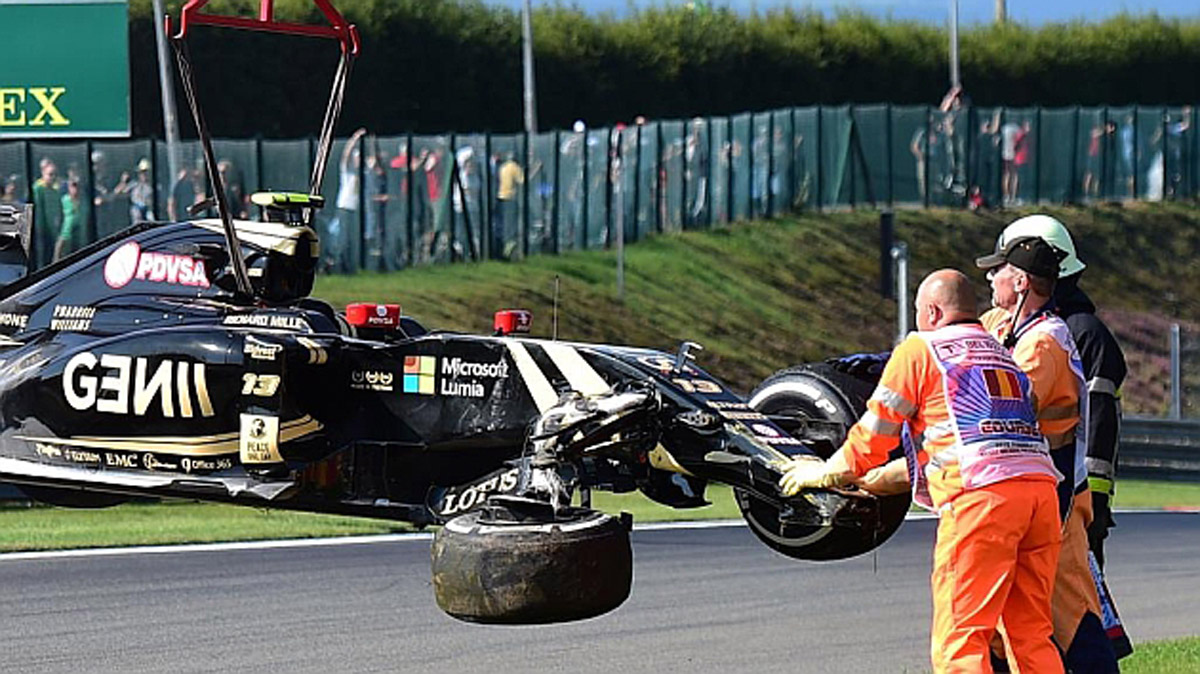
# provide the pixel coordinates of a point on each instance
(408, 178)
(91, 204)
(585, 220)
(555, 202)
(1037, 159)
(770, 164)
(891, 181)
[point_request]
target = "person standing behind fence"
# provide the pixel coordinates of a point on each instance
(1010, 134)
(72, 210)
(8, 191)
(141, 195)
(511, 177)
(436, 173)
(347, 205)
(376, 215)
(1128, 170)
(47, 210)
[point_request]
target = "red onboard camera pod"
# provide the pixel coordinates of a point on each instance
(371, 315)
(509, 321)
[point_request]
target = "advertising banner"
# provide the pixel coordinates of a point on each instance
(65, 69)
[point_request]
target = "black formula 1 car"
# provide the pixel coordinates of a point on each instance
(135, 367)
(187, 360)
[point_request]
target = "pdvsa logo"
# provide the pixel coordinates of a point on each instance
(128, 262)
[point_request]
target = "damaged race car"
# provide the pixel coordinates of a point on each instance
(187, 360)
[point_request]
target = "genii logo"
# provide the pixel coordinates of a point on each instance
(128, 262)
(117, 384)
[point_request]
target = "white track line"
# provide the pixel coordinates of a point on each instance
(389, 538)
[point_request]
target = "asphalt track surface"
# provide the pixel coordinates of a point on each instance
(704, 600)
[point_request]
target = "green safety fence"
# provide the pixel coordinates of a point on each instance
(402, 200)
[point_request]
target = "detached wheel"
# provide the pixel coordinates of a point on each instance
(817, 392)
(491, 567)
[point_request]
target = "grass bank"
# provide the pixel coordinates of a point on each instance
(1164, 657)
(763, 296)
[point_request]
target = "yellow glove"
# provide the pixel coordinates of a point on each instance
(810, 472)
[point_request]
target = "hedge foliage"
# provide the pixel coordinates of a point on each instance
(439, 65)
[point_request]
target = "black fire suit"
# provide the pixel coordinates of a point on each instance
(1104, 368)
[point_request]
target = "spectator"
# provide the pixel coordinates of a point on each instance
(1128, 170)
(1091, 183)
(1178, 140)
(141, 195)
(465, 189)
(377, 201)
(235, 193)
(511, 177)
(8, 190)
(986, 157)
(1009, 180)
(346, 214)
(184, 193)
(924, 146)
(109, 197)
(695, 167)
(72, 207)
(954, 105)
(436, 236)
(47, 210)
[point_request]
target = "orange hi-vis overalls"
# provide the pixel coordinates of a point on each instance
(985, 468)
(1046, 352)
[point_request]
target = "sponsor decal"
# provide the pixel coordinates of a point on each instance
(129, 262)
(9, 319)
(743, 415)
(458, 377)
(728, 405)
(259, 439)
(780, 440)
(371, 380)
(276, 321)
(765, 430)
(1009, 426)
(260, 350)
(1002, 384)
(17, 106)
(420, 373)
(771, 435)
(72, 318)
(127, 460)
(116, 384)
(703, 386)
(462, 377)
(261, 385)
(457, 500)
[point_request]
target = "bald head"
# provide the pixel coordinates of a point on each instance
(945, 296)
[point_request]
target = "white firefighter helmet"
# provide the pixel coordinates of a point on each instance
(1053, 232)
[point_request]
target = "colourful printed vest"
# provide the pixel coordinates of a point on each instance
(987, 398)
(1057, 328)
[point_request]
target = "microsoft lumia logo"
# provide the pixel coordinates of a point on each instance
(419, 372)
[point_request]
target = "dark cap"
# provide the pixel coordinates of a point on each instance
(1028, 253)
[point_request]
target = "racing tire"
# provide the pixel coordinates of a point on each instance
(817, 391)
(578, 566)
